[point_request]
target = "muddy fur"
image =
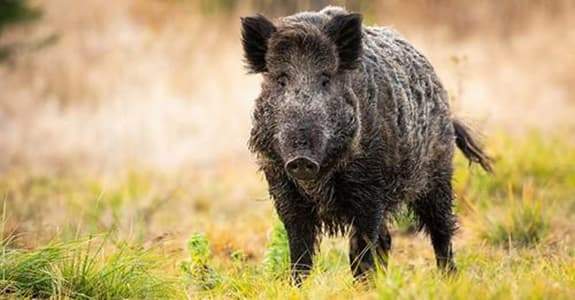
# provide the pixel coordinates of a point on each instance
(369, 108)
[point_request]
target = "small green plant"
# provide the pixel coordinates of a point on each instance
(525, 222)
(276, 257)
(197, 271)
(404, 221)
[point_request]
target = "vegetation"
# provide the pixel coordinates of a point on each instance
(515, 242)
(86, 270)
(13, 12)
(16, 11)
(276, 257)
(197, 270)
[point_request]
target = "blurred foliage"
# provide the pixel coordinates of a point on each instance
(13, 12)
(533, 184)
(213, 7)
(132, 202)
(524, 222)
(278, 7)
(545, 163)
(291, 6)
(502, 17)
(16, 11)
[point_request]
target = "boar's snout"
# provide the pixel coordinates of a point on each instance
(302, 168)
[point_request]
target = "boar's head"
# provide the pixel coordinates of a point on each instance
(306, 117)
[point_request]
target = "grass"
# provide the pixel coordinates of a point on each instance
(524, 222)
(86, 270)
(516, 237)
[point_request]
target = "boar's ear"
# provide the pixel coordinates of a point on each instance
(345, 32)
(255, 34)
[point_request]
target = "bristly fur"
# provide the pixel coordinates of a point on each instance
(368, 107)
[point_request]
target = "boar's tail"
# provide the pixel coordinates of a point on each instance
(470, 147)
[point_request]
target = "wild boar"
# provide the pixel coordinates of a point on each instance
(352, 121)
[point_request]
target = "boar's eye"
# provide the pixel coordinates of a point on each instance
(325, 80)
(282, 80)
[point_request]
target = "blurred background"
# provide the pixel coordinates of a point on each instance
(119, 113)
(160, 83)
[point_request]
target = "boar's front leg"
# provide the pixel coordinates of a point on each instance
(300, 223)
(302, 238)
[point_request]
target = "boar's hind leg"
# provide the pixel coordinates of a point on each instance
(434, 211)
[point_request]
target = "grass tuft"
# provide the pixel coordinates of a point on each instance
(524, 222)
(29, 274)
(85, 270)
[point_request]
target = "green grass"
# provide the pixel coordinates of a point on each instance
(516, 240)
(484, 273)
(523, 222)
(545, 163)
(86, 270)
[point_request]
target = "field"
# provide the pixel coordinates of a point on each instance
(124, 171)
